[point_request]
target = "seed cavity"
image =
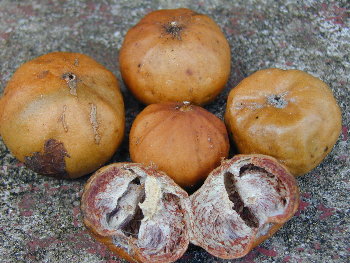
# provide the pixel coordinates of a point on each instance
(127, 215)
(238, 205)
(248, 168)
(94, 123)
(71, 80)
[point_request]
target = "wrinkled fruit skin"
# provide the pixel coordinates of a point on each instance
(138, 212)
(242, 202)
(62, 114)
(287, 114)
(175, 55)
(185, 141)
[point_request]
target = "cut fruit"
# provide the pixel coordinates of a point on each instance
(138, 210)
(242, 202)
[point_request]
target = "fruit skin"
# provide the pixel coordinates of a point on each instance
(215, 224)
(62, 114)
(287, 114)
(100, 197)
(185, 141)
(175, 55)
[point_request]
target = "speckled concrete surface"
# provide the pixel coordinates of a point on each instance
(40, 217)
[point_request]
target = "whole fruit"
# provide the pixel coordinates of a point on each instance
(185, 141)
(287, 114)
(62, 114)
(175, 55)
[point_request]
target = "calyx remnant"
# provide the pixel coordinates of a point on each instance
(174, 29)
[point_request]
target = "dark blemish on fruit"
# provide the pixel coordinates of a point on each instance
(257, 117)
(174, 29)
(51, 162)
(189, 72)
(71, 80)
(43, 74)
(326, 149)
(139, 65)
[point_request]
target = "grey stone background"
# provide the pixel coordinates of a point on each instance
(39, 216)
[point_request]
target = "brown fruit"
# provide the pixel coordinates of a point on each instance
(287, 114)
(185, 141)
(137, 212)
(62, 114)
(242, 203)
(175, 55)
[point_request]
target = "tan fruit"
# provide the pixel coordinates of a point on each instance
(175, 55)
(185, 141)
(287, 114)
(62, 114)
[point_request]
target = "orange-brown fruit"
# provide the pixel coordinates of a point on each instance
(183, 140)
(62, 114)
(242, 203)
(138, 212)
(175, 55)
(287, 114)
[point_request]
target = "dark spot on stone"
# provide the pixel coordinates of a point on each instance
(174, 29)
(51, 161)
(189, 72)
